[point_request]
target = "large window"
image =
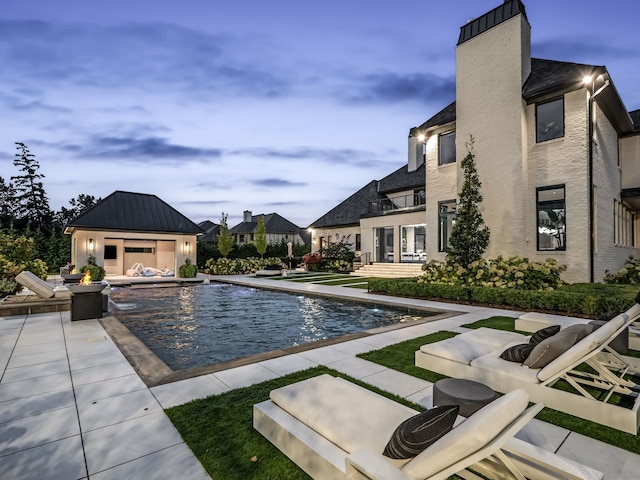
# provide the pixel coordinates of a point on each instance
(623, 219)
(550, 120)
(447, 148)
(447, 214)
(551, 214)
(414, 243)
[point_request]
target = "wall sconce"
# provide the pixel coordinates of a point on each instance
(187, 248)
(91, 246)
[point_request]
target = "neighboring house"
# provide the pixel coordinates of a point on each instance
(556, 151)
(211, 231)
(278, 229)
(126, 228)
(384, 220)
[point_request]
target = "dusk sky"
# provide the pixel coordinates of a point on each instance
(274, 106)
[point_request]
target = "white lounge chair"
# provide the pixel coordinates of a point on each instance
(41, 288)
(476, 355)
(334, 429)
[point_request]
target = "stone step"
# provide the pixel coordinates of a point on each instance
(389, 270)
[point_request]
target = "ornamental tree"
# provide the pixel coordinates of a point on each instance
(225, 239)
(469, 237)
(261, 237)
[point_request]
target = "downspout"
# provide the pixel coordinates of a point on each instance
(592, 232)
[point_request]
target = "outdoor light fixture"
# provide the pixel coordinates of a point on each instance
(587, 80)
(187, 248)
(90, 245)
(421, 137)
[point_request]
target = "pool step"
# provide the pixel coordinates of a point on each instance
(389, 270)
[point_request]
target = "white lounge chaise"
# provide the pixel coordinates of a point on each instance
(334, 429)
(475, 355)
(41, 288)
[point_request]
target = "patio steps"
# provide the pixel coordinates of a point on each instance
(389, 270)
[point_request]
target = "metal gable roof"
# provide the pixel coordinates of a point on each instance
(128, 211)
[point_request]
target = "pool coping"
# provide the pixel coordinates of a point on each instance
(154, 371)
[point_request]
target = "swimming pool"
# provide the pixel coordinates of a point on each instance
(198, 325)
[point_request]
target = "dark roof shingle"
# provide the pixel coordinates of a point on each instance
(128, 211)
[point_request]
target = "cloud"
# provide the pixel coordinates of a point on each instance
(340, 156)
(423, 88)
(137, 57)
(277, 182)
(581, 50)
(149, 148)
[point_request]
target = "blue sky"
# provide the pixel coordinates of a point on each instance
(281, 106)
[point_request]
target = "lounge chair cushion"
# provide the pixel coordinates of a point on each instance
(518, 353)
(418, 432)
(466, 347)
(551, 348)
(544, 333)
(582, 348)
(502, 368)
(326, 404)
(469, 436)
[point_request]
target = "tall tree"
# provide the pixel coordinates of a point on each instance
(32, 204)
(225, 239)
(7, 203)
(261, 237)
(469, 237)
(79, 205)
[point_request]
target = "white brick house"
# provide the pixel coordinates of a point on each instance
(549, 192)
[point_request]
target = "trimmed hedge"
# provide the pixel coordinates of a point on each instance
(570, 301)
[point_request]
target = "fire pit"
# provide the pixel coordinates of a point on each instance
(87, 301)
(71, 278)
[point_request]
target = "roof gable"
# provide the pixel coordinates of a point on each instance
(349, 211)
(273, 223)
(128, 211)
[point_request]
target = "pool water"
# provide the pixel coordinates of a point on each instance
(199, 325)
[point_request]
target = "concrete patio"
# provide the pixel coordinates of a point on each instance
(72, 407)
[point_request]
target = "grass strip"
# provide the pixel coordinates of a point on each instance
(219, 430)
(400, 357)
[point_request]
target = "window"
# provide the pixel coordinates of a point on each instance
(623, 219)
(447, 215)
(418, 197)
(550, 120)
(358, 242)
(551, 214)
(110, 252)
(139, 250)
(447, 148)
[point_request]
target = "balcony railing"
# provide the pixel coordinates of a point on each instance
(397, 203)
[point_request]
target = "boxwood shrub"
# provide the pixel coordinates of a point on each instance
(569, 300)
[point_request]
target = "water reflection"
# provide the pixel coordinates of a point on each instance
(198, 325)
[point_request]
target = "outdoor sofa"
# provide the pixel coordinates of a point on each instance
(476, 355)
(334, 429)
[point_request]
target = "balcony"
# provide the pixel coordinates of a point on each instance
(411, 202)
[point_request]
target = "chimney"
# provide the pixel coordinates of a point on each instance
(247, 216)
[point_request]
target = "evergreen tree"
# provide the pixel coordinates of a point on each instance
(32, 204)
(225, 239)
(7, 203)
(79, 205)
(469, 237)
(261, 237)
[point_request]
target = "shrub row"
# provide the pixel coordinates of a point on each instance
(238, 266)
(629, 274)
(514, 272)
(570, 302)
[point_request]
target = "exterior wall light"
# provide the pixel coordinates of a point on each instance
(187, 248)
(91, 246)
